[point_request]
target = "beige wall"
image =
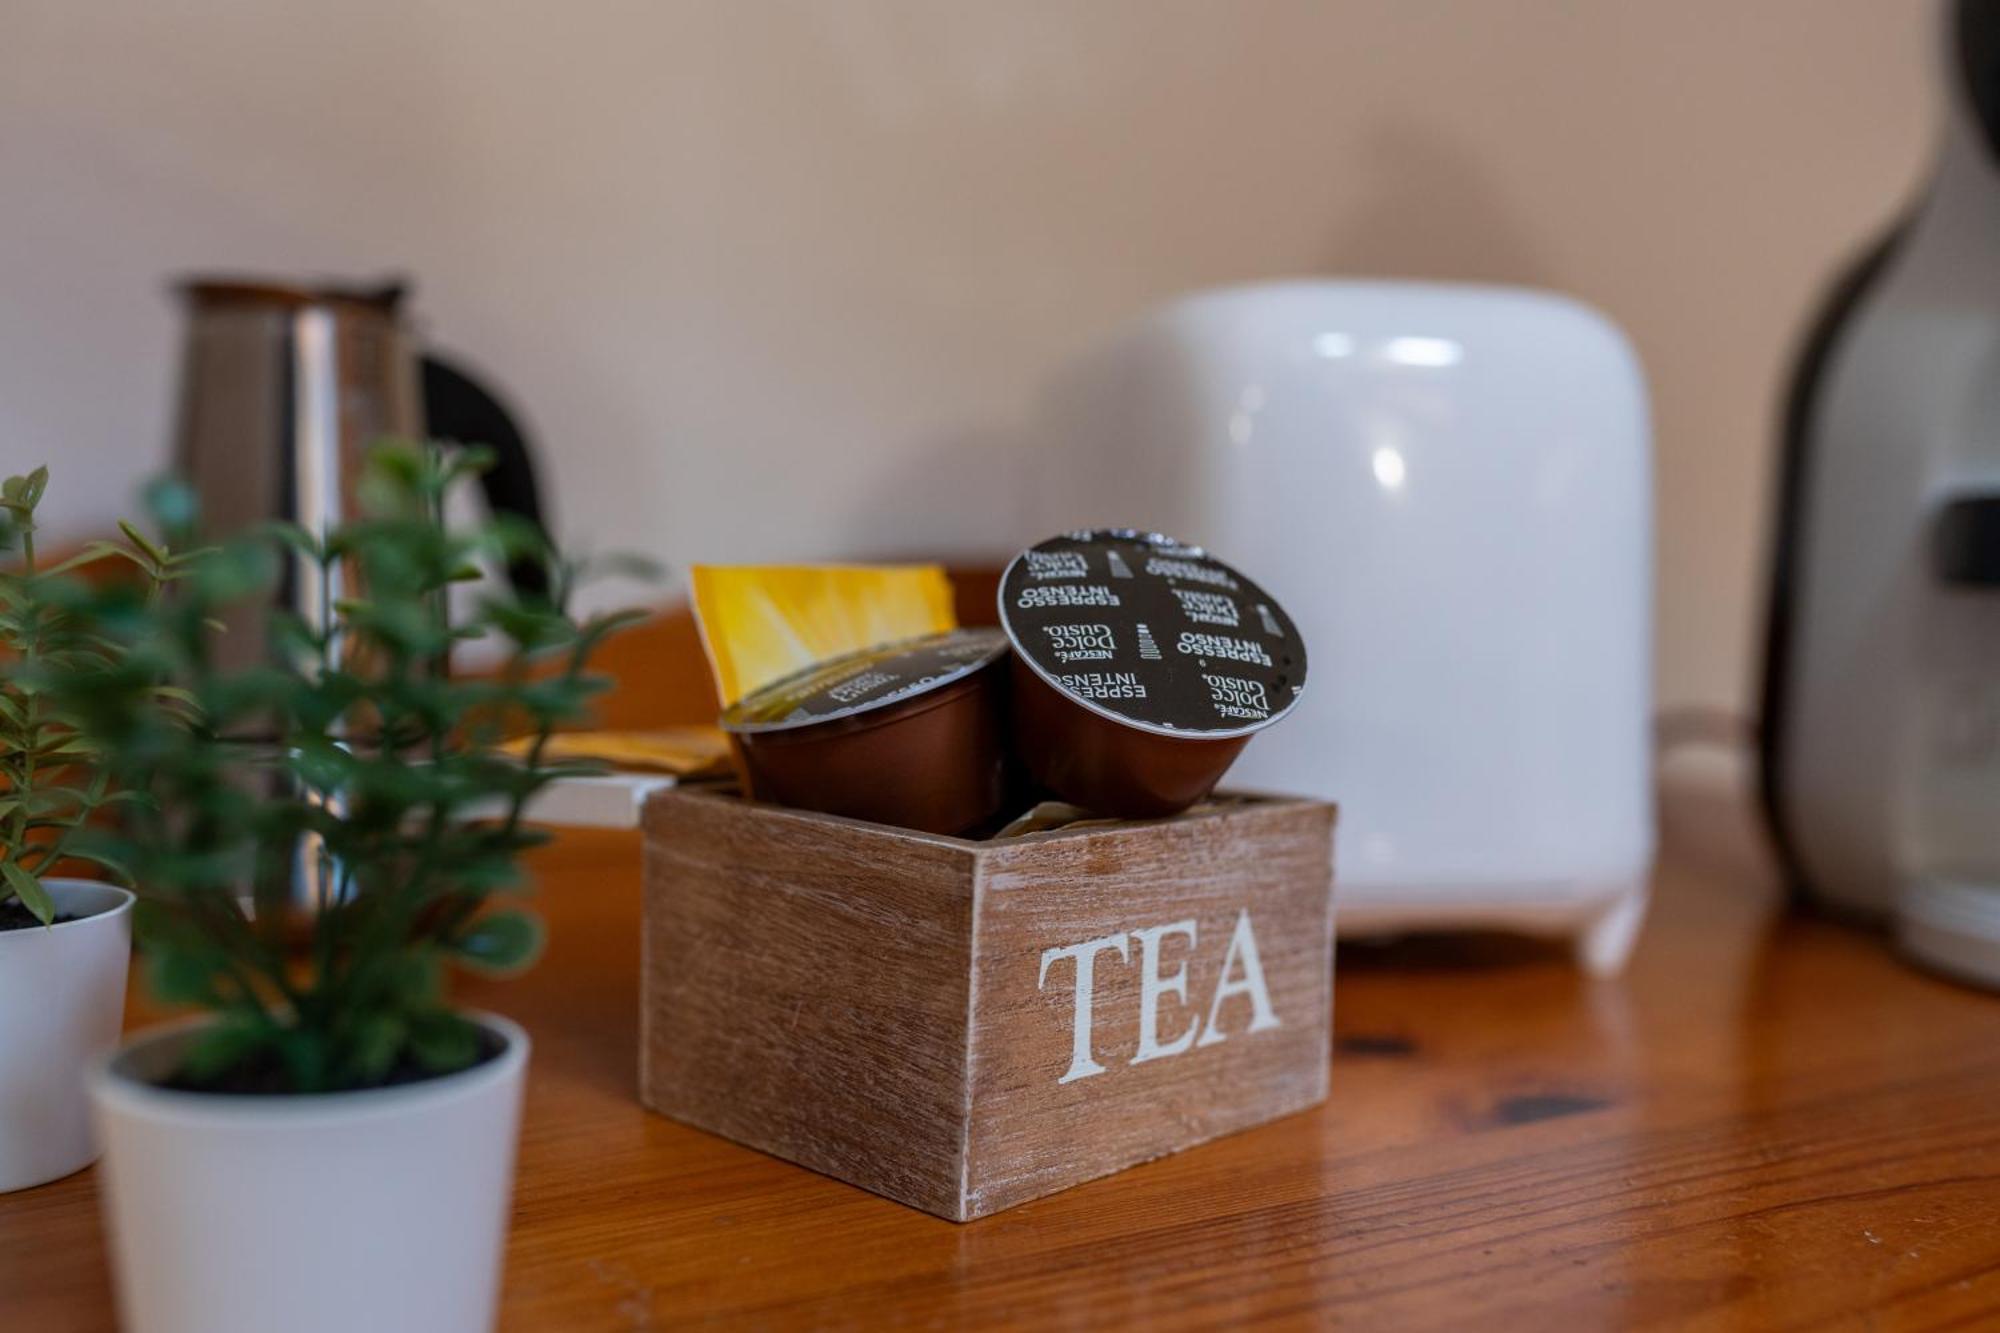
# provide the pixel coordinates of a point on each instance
(755, 267)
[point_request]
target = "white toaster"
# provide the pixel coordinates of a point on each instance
(1449, 489)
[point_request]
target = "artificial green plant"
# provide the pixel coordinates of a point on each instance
(53, 780)
(353, 755)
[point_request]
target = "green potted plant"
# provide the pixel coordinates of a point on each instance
(331, 1145)
(64, 942)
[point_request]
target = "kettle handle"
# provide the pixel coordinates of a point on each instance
(457, 407)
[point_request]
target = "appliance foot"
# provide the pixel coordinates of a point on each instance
(1607, 940)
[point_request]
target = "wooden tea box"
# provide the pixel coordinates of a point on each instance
(963, 1026)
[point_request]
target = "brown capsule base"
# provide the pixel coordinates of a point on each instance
(1107, 766)
(935, 762)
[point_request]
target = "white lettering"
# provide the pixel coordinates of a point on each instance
(1081, 1063)
(1064, 594)
(1090, 642)
(1234, 696)
(1222, 645)
(1104, 684)
(1209, 608)
(1152, 986)
(1243, 948)
(1057, 565)
(1188, 569)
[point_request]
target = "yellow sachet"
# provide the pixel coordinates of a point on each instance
(687, 752)
(761, 622)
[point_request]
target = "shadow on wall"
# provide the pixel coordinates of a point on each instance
(1434, 212)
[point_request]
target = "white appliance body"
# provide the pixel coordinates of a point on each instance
(1882, 697)
(1449, 489)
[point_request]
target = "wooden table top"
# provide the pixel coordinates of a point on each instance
(1768, 1121)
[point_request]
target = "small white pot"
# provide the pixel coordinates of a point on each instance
(62, 999)
(379, 1210)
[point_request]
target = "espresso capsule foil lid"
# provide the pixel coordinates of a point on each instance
(1153, 633)
(861, 682)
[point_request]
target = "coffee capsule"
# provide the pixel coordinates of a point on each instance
(1142, 666)
(908, 733)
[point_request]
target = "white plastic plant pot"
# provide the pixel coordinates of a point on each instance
(62, 999)
(382, 1209)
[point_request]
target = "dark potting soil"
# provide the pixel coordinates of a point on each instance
(267, 1076)
(13, 916)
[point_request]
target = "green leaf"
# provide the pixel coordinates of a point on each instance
(443, 1042)
(529, 626)
(600, 628)
(296, 537)
(415, 980)
(232, 573)
(91, 554)
(640, 568)
(178, 975)
(324, 767)
(139, 539)
(30, 891)
(514, 537)
(103, 860)
(223, 1047)
(500, 942)
(305, 1052)
(377, 1041)
(55, 800)
(172, 503)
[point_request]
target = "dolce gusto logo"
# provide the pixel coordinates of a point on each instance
(1242, 976)
(1080, 643)
(1235, 697)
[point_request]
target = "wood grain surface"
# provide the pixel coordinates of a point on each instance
(1264, 868)
(895, 1008)
(1767, 1122)
(805, 989)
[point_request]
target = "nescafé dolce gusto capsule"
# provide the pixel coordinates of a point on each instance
(1142, 666)
(908, 733)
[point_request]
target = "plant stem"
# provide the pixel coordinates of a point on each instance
(23, 778)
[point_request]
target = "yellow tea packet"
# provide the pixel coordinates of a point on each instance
(761, 622)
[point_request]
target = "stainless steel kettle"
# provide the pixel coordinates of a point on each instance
(284, 388)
